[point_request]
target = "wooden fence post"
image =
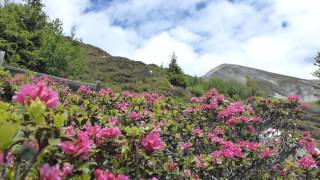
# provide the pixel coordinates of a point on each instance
(1, 57)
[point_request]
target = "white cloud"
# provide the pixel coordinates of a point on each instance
(273, 35)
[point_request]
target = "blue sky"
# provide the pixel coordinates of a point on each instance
(281, 36)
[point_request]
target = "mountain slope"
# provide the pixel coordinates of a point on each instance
(121, 73)
(274, 84)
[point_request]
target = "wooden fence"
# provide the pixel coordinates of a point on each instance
(74, 85)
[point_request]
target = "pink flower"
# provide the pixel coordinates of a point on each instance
(125, 94)
(217, 139)
(152, 142)
(252, 146)
(187, 172)
(171, 166)
(147, 113)
(156, 130)
(50, 172)
(122, 177)
(216, 154)
(134, 116)
(220, 98)
(123, 106)
(307, 162)
(153, 178)
(103, 92)
(113, 121)
(198, 100)
(251, 129)
(84, 143)
(29, 93)
(255, 119)
(229, 149)
(218, 131)
(232, 151)
(109, 133)
(84, 90)
(92, 130)
(233, 109)
(232, 121)
(266, 152)
(199, 162)
(211, 106)
(67, 169)
(107, 175)
(244, 119)
(104, 175)
(197, 132)
(82, 146)
(69, 131)
(308, 144)
(68, 147)
(212, 92)
(185, 146)
(293, 98)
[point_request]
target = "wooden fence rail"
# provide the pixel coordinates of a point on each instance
(74, 85)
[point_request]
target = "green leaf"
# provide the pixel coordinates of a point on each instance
(54, 141)
(36, 111)
(7, 132)
(59, 119)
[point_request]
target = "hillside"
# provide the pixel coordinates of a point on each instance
(121, 73)
(275, 84)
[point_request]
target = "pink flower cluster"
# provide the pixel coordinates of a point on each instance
(84, 90)
(9, 159)
(152, 142)
(31, 92)
(134, 116)
(252, 146)
(82, 146)
(171, 166)
(235, 108)
(86, 138)
(48, 172)
(108, 133)
(107, 175)
(307, 162)
(197, 132)
(293, 98)
(229, 149)
(107, 91)
(123, 106)
(185, 146)
(308, 144)
(152, 97)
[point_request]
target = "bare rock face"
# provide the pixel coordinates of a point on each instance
(276, 84)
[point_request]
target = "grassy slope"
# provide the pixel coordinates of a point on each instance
(121, 73)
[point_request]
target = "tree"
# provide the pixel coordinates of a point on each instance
(317, 73)
(317, 63)
(174, 68)
(175, 73)
(33, 41)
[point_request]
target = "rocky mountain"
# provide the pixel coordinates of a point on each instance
(274, 84)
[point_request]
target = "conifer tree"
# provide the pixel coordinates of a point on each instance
(175, 73)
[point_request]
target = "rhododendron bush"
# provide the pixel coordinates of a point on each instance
(49, 132)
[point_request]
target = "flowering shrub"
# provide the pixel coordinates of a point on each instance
(51, 133)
